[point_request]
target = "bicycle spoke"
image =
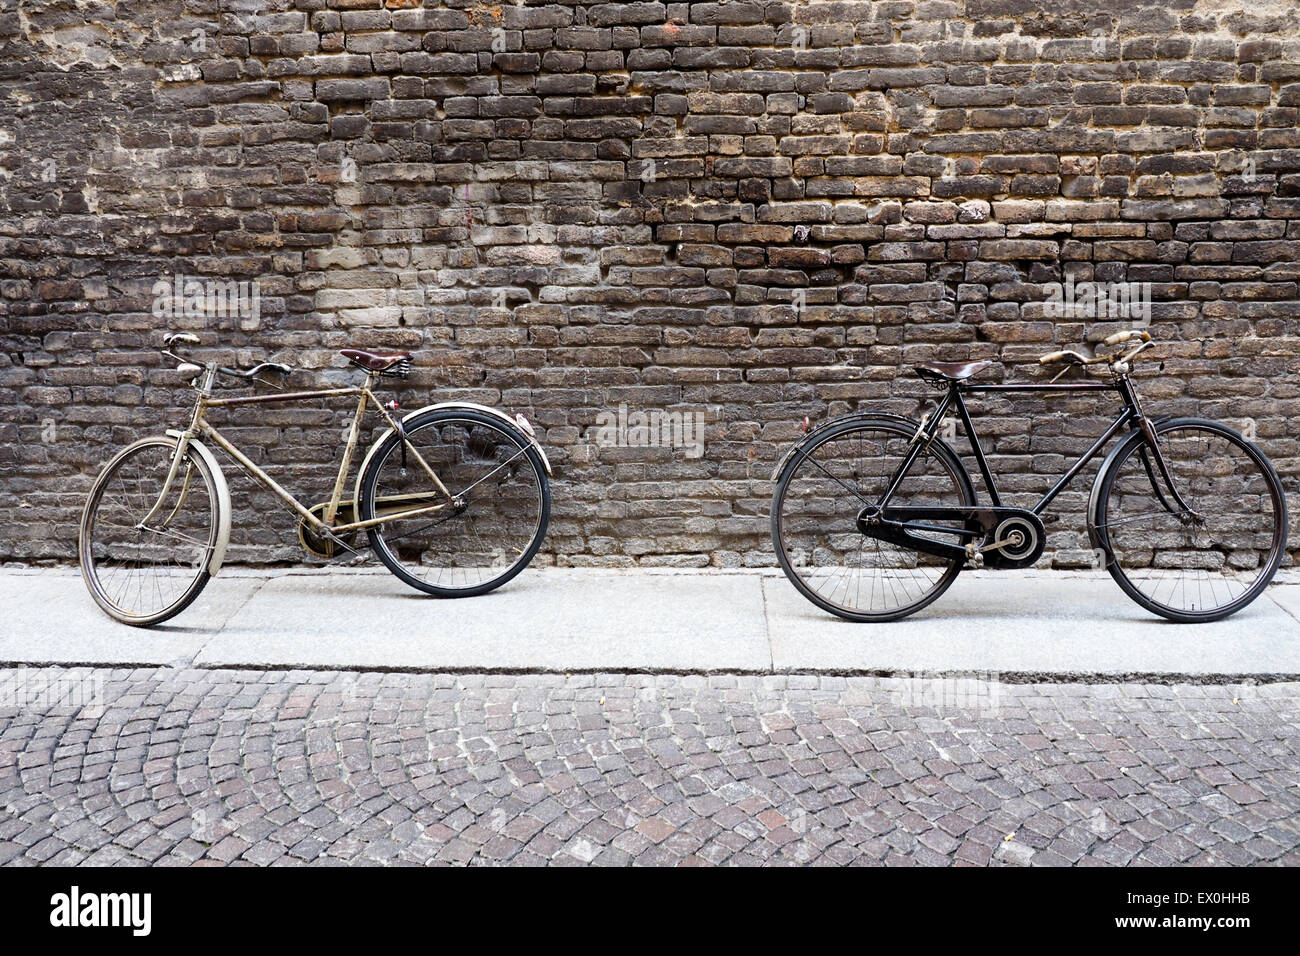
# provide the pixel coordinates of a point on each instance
(176, 536)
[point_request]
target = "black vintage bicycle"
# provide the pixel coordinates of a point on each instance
(874, 515)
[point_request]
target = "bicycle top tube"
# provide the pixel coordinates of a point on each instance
(1038, 386)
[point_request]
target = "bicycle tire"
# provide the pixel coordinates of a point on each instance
(903, 431)
(91, 567)
(1125, 572)
(383, 547)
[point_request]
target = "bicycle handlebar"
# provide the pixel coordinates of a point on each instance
(256, 369)
(173, 339)
(1071, 357)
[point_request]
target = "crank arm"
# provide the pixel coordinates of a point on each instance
(999, 544)
(339, 541)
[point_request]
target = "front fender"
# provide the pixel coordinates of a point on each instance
(472, 406)
(839, 419)
(223, 497)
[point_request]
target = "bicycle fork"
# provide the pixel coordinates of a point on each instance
(182, 442)
(1179, 507)
(186, 449)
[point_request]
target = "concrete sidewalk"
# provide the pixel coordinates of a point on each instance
(1013, 623)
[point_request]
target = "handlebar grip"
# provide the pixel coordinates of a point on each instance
(1119, 337)
(1052, 357)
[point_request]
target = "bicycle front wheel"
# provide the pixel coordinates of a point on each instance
(481, 527)
(814, 519)
(139, 571)
(1212, 560)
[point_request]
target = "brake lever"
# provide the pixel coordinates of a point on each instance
(254, 374)
(1128, 357)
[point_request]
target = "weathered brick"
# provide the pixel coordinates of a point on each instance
(559, 205)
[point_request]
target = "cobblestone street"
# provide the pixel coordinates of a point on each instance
(211, 766)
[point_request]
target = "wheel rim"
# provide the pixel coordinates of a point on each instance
(494, 528)
(820, 547)
(142, 572)
(1196, 567)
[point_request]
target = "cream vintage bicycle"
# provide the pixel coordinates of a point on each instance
(454, 497)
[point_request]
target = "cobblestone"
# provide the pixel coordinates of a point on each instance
(197, 766)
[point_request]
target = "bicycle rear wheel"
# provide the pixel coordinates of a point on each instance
(1211, 562)
(814, 519)
(495, 522)
(138, 573)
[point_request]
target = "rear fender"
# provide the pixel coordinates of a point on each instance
(523, 428)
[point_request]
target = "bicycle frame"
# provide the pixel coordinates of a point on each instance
(1130, 417)
(200, 428)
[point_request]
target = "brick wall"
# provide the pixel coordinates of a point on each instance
(759, 211)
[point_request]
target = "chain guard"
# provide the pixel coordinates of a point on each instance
(317, 544)
(897, 525)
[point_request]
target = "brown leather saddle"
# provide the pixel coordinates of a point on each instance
(950, 371)
(380, 363)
